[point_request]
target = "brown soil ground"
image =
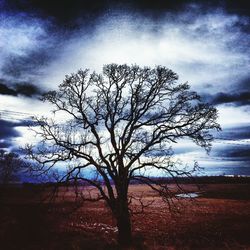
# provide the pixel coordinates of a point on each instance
(218, 219)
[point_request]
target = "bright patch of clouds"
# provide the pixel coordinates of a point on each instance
(203, 49)
(229, 115)
(24, 104)
(18, 37)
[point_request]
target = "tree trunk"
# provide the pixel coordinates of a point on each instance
(123, 224)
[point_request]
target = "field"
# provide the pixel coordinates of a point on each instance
(218, 219)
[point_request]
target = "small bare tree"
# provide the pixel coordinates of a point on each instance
(122, 123)
(10, 166)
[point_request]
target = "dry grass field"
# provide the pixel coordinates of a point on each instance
(218, 219)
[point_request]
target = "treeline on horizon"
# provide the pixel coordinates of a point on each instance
(161, 180)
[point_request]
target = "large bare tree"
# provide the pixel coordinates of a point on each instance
(121, 123)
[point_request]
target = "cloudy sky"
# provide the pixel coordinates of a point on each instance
(206, 42)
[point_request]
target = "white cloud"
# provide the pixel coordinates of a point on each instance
(202, 49)
(24, 104)
(229, 115)
(18, 37)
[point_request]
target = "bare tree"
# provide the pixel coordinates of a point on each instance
(10, 166)
(121, 123)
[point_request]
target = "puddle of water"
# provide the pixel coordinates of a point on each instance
(188, 195)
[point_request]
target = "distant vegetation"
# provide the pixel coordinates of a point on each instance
(11, 166)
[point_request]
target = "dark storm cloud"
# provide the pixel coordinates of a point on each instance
(67, 14)
(5, 90)
(237, 99)
(237, 94)
(25, 89)
(243, 152)
(239, 132)
(7, 130)
(243, 85)
(234, 152)
(4, 144)
(232, 144)
(239, 6)
(90, 8)
(25, 64)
